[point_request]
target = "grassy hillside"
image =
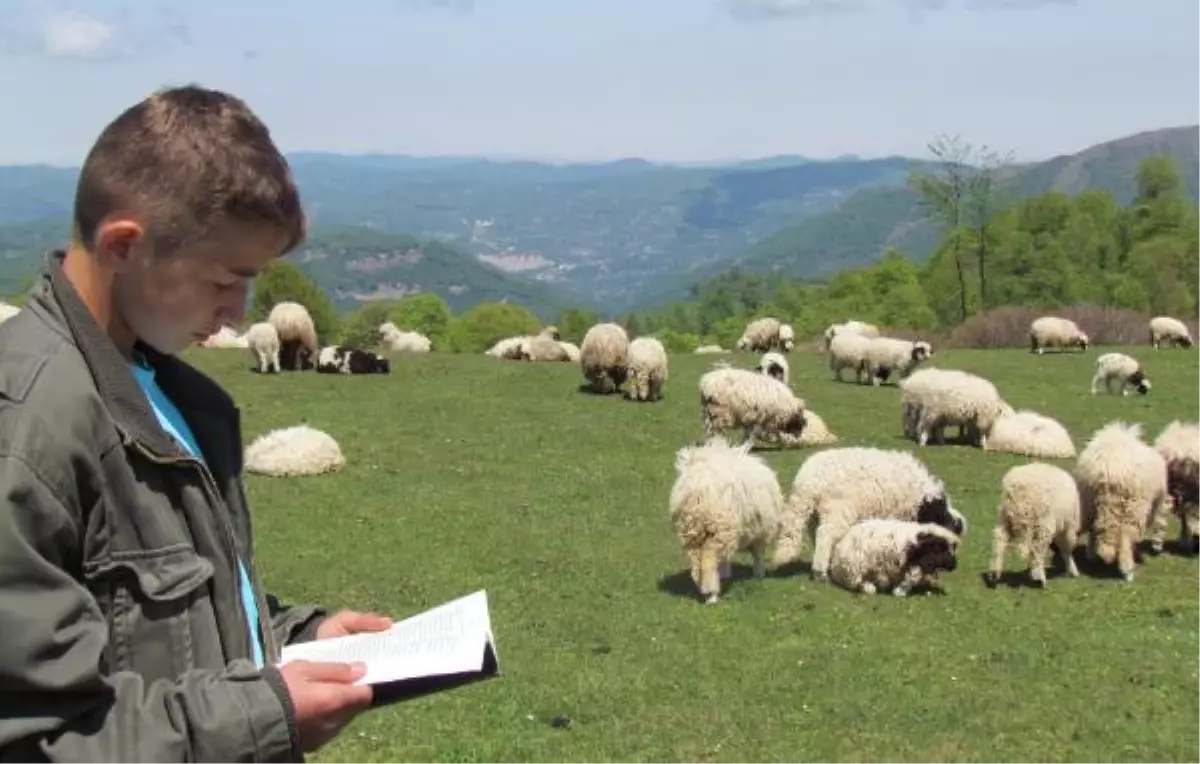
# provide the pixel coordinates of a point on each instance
(507, 479)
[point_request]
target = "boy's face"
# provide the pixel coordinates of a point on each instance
(175, 300)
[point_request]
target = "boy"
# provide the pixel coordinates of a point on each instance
(135, 628)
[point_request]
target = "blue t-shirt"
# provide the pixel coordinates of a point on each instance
(173, 422)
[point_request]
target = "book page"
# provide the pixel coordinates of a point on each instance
(447, 639)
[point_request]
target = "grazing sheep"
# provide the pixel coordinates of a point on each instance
(709, 349)
(816, 432)
(1170, 330)
(604, 357)
(1053, 331)
(400, 341)
(852, 327)
(1122, 489)
(889, 555)
(1039, 504)
(774, 365)
(225, 337)
(339, 359)
(1029, 433)
(572, 351)
(1122, 368)
(787, 338)
(848, 350)
(933, 399)
(263, 340)
(1179, 445)
(839, 487)
(724, 500)
(763, 334)
(542, 348)
(764, 406)
(885, 355)
(508, 348)
(647, 369)
(293, 452)
(7, 311)
(297, 335)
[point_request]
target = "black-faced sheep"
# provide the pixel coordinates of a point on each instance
(263, 340)
(889, 555)
(542, 348)
(1029, 433)
(1179, 445)
(647, 369)
(767, 334)
(1055, 332)
(839, 487)
(848, 350)
(1122, 368)
(775, 365)
(1039, 505)
(604, 358)
(339, 359)
(933, 399)
(887, 355)
(724, 500)
(297, 335)
(852, 327)
(1122, 489)
(765, 407)
(508, 348)
(1170, 330)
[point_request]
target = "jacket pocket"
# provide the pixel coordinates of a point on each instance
(156, 602)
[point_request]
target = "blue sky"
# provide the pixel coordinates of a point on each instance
(671, 80)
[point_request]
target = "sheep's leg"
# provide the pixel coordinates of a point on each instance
(1126, 561)
(822, 551)
(1038, 547)
(759, 550)
(1066, 546)
(725, 570)
(1096, 378)
(999, 546)
(1156, 525)
(710, 579)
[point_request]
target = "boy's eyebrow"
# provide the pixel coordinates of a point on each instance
(246, 273)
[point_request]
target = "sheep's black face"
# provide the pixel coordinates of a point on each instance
(919, 353)
(932, 553)
(1186, 342)
(796, 424)
(883, 373)
(936, 510)
(383, 366)
(776, 371)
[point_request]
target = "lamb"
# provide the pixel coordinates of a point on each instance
(774, 365)
(263, 340)
(724, 500)
(604, 358)
(1122, 489)
(1030, 434)
(848, 350)
(1179, 445)
(764, 406)
(852, 327)
(885, 554)
(839, 487)
(572, 351)
(225, 337)
(647, 369)
(1053, 331)
(542, 348)
(297, 335)
(508, 348)
(1039, 505)
(765, 334)
(1124, 369)
(885, 355)
(935, 398)
(787, 338)
(293, 452)
(1170, 330)
(339, 359)
(401, 341)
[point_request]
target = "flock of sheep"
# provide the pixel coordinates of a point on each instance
(878, 519)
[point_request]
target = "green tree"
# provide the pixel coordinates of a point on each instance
(487, 323)
(281, 281)
(424, 312)
(573, 323)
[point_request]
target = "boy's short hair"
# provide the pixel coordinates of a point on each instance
(186, 160)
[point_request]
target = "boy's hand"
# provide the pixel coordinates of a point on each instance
(325, 698)
(348, 622)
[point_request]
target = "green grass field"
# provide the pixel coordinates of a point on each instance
(467, 472)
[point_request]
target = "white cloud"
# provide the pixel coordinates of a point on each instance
(758, 10)
(60, 30)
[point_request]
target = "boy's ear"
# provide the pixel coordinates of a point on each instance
(115, 240)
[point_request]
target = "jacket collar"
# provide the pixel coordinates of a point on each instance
(195, 394)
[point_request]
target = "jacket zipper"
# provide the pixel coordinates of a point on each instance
(210, 487)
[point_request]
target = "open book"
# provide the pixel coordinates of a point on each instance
(448, 646)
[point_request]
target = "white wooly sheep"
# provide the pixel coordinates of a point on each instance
(766, 334)
(297, 335)
(647, 369)
(775, 365)
(724, 500)
(853, 327)
(1169, 330)
(1122, 368)
(1029, 433)
(848, 350)
(889, 555)
(7, 311)
(839, 487)
(1122, 489)
(293, 452)
(402, 341)
(1053, 331)
(225, 337)
(1039, 505)
(933, 399)
(508, 348)
(542, 348)
(263, 340)
(604, 357)
(710, 349)
(816, 432)
(1179, 445)
(765, 407)
(572, 351)
(885, 355)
